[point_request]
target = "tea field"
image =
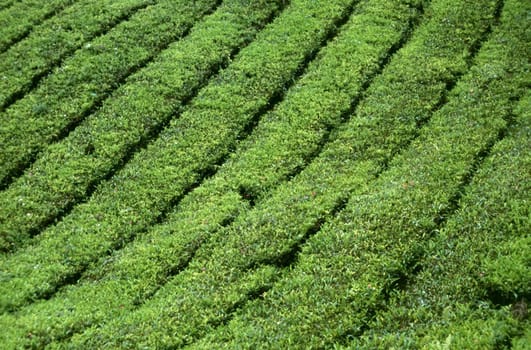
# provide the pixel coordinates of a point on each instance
(265, 174)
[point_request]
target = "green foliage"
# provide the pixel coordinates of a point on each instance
(74, 89)
(507, 269)
(57, 37)
(523, 342)
(467, 295)
(355, 176)
(6, 3)
(18, 19)
(136, 196)
(67, 169)
(254, 165)
(349, 270)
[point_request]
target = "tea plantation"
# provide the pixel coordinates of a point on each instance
(265, 174)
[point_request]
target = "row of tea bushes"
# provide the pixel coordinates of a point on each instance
(221, 276)
(280, 144)
(206, 131)
(473, 289)
(19, 18)
(26, 62)
(348, 271)
(77, 88)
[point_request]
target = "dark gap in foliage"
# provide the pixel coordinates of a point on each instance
(98, 103)
(6, 6)
(499, 298)
(443, 100)
(172, 271)
(36, 79)
(349, 335)
(177, 269)
(65, 280)
(27, 32)
(248, 195)
(17, 171)
(255, 294)
(399, 278)
(291, 256)
(203, 175)
(89, 149)
(503, 341)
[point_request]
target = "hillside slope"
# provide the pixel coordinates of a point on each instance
(350, 174)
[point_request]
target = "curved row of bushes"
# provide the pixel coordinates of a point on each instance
(473, 286)
(205, 132)
(243, 259)
(353, 266)
(293, 131)
(83, 81)
(25, 63)
(17, 19)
